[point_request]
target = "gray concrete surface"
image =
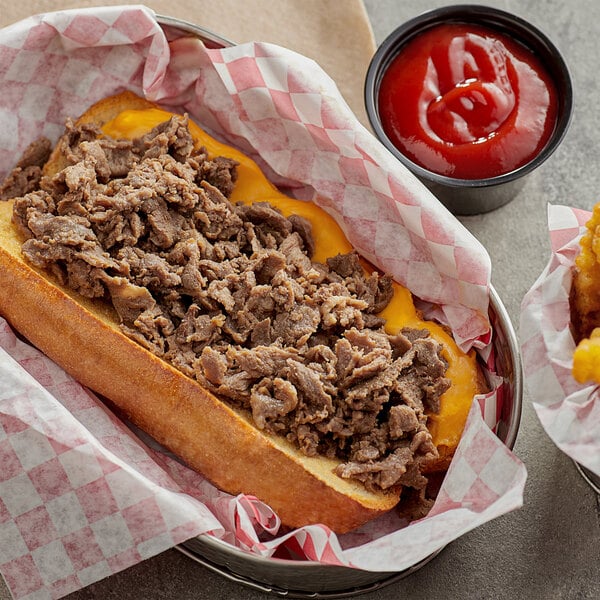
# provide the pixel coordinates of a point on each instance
(549, 549)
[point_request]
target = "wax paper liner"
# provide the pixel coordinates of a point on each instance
(568, 411)
(81, 496)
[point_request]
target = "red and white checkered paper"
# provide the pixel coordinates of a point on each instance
(81, 496)
(568, 411)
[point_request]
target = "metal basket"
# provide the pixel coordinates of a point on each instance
(304, 579)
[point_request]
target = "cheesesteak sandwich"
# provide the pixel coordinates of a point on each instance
(233, 324)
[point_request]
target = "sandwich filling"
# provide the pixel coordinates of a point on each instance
(228, 294)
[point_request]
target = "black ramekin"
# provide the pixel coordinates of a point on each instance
(472, 196)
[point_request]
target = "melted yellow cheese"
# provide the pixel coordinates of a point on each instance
(252, 186)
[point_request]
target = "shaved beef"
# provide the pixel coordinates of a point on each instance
(70, 145)
(36, 154)
(274, 399)
(27, 173)
(229, 295)
(303, 228)
(220, 173)
(402, 420)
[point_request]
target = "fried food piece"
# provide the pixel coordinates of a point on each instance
(586, 359)
(585, 303)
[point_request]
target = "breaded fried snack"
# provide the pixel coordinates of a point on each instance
(585, 303)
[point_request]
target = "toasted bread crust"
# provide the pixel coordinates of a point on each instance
(83, 337)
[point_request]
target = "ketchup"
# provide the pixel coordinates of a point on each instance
(467, 102)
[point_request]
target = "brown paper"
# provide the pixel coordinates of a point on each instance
(335, 34)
